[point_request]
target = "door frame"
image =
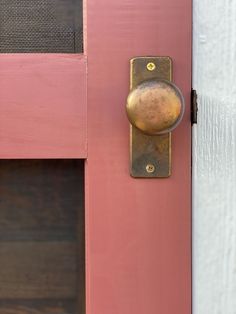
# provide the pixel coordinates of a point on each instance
(138, 231)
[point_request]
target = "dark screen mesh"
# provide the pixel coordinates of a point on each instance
(41, 26)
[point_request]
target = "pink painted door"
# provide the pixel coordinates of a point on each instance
(65, 105)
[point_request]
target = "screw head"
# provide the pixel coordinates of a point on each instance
(151, 66)
(150, 168)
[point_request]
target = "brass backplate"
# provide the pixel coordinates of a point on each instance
(150, 154)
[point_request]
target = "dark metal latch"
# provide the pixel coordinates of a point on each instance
(194, 106)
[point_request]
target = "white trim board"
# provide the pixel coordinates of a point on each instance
(214, 157)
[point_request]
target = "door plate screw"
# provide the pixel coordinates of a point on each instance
(150, 168)
(151, 66)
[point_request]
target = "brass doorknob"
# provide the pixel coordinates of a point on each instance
(155, 106)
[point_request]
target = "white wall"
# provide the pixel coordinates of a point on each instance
(214, 154)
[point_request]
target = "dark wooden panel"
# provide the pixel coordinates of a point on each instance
(68, 306)
(42, 254)
(38, 270)
(41, 199)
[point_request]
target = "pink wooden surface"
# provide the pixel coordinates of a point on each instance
(42, 106)
(138, 231)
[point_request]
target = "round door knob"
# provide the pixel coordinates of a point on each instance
(155, 107)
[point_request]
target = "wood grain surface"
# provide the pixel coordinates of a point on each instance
(138, 230)
(40, 200)
(41, 237)
(214, 158)
(41, 270)
(54, 306)
(43, 106)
